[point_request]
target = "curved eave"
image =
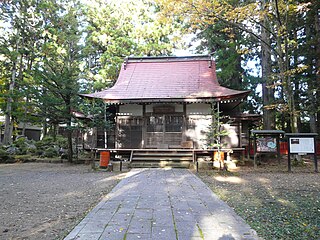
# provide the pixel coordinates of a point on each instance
(239, 96)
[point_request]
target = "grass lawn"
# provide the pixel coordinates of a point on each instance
(277, 204)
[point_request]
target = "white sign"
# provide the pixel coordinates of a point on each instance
(301, 145)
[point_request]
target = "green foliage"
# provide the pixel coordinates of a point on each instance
(282, 36)
(48, 147)
(61, 142)
(46, 141)
(50, 152)
(4, 155)
(215, 131)
(122, 28)
(96, 110)
(21, 144)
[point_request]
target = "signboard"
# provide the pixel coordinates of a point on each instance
(301, 145)
(267, 144)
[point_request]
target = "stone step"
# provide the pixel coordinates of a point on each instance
(162, 154)
(162, 158)
(161, 164)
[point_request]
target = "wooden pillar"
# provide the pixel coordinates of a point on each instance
(105, 128)
(240, 133)
(117, 128)
(144, 126)
(184, 124)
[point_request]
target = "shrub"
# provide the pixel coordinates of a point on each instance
(4, 156)
(50, 152)
(44, 143)
(62, 142)
(21, 144)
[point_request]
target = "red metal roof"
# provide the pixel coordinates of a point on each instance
(161, 78)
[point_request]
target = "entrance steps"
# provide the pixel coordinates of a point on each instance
(161, 158)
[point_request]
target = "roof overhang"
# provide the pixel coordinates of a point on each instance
(222, 99)
(169, 79)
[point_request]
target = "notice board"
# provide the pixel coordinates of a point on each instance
(266, 144)
(302, 145)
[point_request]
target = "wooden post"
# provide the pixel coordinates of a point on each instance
(184, 124)
(92, 158)
(117, 128)
(278, 149)
(105, 128)
(315, 156)
(144, 126)
(289, 156)
(197, 165)
(254, 151)
(249, 145)
(240, 133)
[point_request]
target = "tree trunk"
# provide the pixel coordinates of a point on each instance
(317, 28)
(44, 128)
(297, 92)
(24, 123)
(69, 130)
(267, 91)
(8, 124)
(312, 80)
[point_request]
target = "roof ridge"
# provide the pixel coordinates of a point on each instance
(168, 58)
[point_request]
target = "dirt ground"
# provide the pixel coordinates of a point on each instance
(277, 204)
(45, 201)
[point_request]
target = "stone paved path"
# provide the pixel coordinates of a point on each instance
(162, 204)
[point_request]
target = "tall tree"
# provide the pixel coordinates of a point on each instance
(18, 44)
(116, 29)
(250, 18)
(58, 71)
(266, 73)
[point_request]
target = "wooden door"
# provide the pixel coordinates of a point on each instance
(164, 131)
(129, 132)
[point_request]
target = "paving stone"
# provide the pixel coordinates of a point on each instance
(162, 221)
(137, 236)
(184, 216)
(88, 236)
(113, 233)
(190, 238)
(144, 213)
(128, 210)
(136, 209)
(163, 232)
(121, 219)
(94, 227)
(186, 230)
(207, 221)
(140, 226)
(76, 230)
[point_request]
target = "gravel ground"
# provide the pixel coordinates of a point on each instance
(45, 201)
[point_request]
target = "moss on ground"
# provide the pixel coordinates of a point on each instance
(277, 204)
